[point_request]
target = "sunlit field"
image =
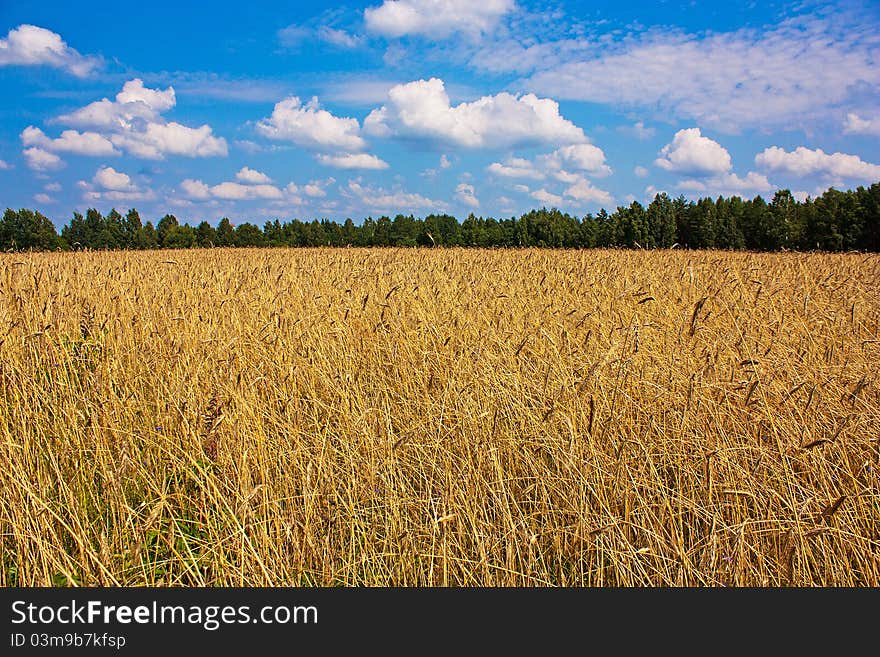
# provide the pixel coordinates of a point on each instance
(439, 417)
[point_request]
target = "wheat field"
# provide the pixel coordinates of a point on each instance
(412, 417)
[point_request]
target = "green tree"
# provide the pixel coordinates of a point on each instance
(132, 229)
(149, 237)
(206, 236)
(661, 221)
(27, 229)
(164, 226)
(225, 233)
(248, 234)
(180, 237)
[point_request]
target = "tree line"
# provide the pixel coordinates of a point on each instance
(835, 221)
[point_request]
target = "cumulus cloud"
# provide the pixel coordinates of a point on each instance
(640, 171)
(692, 153)
(317, 188)
(195, 189)
(582, 157)
(52, 187)
(70, 141)
(546, 197)
(466, 195)
(856, 125)
(110, 179)
(373, 200)
(803, 162)
(516, 167)
(310, 126)
(108, 184)
(229, 191)
(134, 123)
(233, 191)
(43, 198)
(4, 165)
(353, 161)
(41, 160)
(729, 184)
(583, 190)
(250, 176)
(435, 18)
(422, 110)
(794, 72)
(585, 157)
(29, 45)
(559, 165)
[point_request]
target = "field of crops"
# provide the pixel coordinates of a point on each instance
(439, 417)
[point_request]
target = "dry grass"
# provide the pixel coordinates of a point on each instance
(403, 417)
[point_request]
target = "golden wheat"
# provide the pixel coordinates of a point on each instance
(439, 417)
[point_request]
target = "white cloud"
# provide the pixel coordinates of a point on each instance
(94, 195)
(70, 141)
(317, 188)
(43, 198)
(638, 130)
(52, 187)
(249, 189)
(310, 126)
(856, 125)
(516, 167)
(353, 161)
(523, 189)
(40, 160)
(108, 184)
(465, 194)
(803, 161)
(583, 157)
(546, 197)
(133, 123)
(29, 45)
(195, 189)
(651, 192)
(294, 36)
(377, 200)
(691, 153)
(640, 172)
(422, 110)
(338, 38)
(110, 179)
(160, 139)
(435, 18)
(250, 176)
(157, 100)
(793, 73)
(134, 102)
(4, 165)
(233, 191)
(729, 184)
(248, 146)
(444, 162)
(584, 191)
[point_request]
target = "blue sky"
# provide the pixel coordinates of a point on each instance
(260, 111)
